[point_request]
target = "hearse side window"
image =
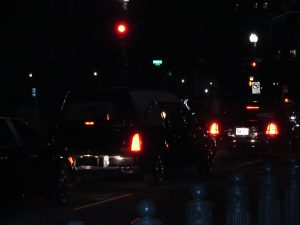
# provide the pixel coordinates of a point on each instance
(174, 118)
(6, 136)
(154, 115)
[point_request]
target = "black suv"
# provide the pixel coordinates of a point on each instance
(144, 132)
(28, 167)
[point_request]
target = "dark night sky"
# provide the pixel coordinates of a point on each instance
(54, 35)
(85, 28)
(63, 43)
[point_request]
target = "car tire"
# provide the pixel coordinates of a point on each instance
(60, 191)
(157, 174)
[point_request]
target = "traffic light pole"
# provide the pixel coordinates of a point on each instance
(124, 65)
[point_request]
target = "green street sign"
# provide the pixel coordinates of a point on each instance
(157, 62)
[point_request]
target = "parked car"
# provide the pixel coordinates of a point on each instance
(28, 167)
(260, 126)
(143, 132)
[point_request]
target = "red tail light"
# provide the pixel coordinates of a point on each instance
(136, 143)
(272, 129)
(214, 129)
(71, 160)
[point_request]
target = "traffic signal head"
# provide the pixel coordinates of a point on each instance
(253, 64)
(121, 29)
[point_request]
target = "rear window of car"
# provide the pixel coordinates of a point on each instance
(253, 112)
(105, 107)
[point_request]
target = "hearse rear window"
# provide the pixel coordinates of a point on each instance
(104, 110)
(98, 108)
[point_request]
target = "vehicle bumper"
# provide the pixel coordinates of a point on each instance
(107, 164)
(263, 146)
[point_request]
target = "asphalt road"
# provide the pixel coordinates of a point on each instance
(114, 202)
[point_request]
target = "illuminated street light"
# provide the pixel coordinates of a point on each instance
(95, 74)
(206, 90)
(253, 39)
(30, 75)
(251, 79)
(182, 81)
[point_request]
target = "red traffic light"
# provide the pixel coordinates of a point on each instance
(253, 64)
(121, 29)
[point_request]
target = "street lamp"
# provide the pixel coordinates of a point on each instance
(253, 39)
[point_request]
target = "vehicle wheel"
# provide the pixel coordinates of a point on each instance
(157, 175)
(61, 190)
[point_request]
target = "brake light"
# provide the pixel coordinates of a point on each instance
(89, 123)
(136, 143)
(71, 160)
(272, 129)
(252, 107)
(214, 129)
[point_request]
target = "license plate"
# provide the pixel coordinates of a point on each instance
(105, 161)
(242, 131)
(86, 161)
